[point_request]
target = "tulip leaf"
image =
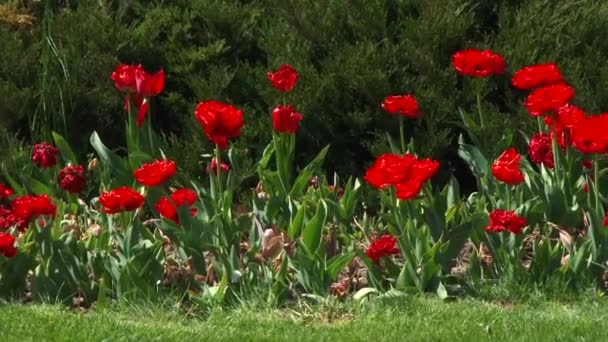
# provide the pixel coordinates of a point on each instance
(37, 187)
(336, 264)
(364, 293)
(266, 156)
(312, 233)
(303, 178)
(296, 225)
(65, 149)
(116, 164)
(473, 157)
(12, 182)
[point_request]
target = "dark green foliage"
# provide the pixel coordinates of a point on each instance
(350, 54)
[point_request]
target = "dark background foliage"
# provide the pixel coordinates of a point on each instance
(56, 58)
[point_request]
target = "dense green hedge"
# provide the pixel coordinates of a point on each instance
(350, 54)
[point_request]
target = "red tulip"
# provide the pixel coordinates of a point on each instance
(535, 76)
(149, 85)
(72, 179)
(120, 199)
(29, 207)
(179, 198)
(285, 119)
(506, 167)
(139, 86)
(5, 192)
(124, 77)
(548, 99)
(540, 150)
(44, 155)
(501, 220)
(284, 79)
(478, 63)
(382, 247)
(224, 168)
(589, 134)
(7, 245)
(405, 105)
(155, 173)
(220, 121)
(406, 173)
(566, 118)
(7, 218)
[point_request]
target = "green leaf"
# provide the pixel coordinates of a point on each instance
(266, 156)
(364, 293)
(66, 151)
(301, 182)
(336, 264)
(13, 183)
(405, 278)
(312, 233)
(453, 195)
(298, 221)
(137, 158)
(37, 187)
(474, 158)
(116, 164)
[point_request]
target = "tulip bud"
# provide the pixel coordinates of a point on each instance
(93, 164)
(96, 229)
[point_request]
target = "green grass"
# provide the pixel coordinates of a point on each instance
(403, 319)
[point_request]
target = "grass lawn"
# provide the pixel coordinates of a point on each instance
(404, 319)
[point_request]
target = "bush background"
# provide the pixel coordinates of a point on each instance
(57, 57)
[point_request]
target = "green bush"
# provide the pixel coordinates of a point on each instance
(350, 54)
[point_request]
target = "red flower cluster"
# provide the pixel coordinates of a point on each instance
(220, 121)
(606, 219)
(224, 168)
(501, 220)
(285, 119)
(7, 245)
(405, 105)
(506, 167)
(284, 79)
(155, 173)
(139, 86)
(384, 246)
(72, 179)
(548, 99)
(478, 63)
(5, 192)
(541, 75)
(540, 150)
(406, 173)
(120, 199)
(44, 155)
(26, 208)
(179, 198)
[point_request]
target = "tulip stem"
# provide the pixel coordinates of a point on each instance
(479, 111)
(150, 140)
(596, 190)
(402, 134)
(218, 160)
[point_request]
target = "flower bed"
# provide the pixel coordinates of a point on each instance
(149, 230)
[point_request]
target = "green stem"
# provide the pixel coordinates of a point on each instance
(596, 188)
(149, 124)
(402, 133)
(479, 111)
(218, 172)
